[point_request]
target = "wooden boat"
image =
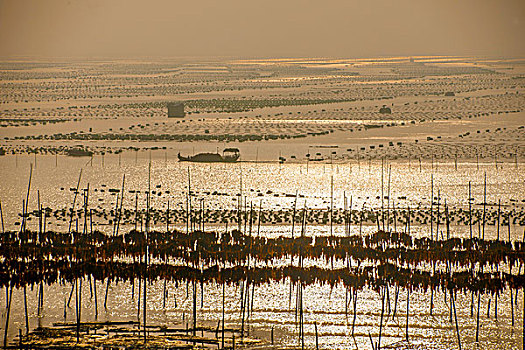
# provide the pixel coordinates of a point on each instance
(228, 155)
(79, 152)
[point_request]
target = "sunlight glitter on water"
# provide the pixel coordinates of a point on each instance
(273, 304)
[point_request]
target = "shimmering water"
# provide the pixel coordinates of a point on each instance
(409, 185)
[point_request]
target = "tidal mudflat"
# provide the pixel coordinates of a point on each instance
(376, 203)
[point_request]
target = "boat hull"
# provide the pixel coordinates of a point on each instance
(208, 158)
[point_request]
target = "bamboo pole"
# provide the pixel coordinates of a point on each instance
(71, 294)
(484, 203)
(39, 302)
(140, 293)
(259, 219)
(470, 209)
(41, 296)
(432, 294)
(389, 309)
(371, 341)
(346, 304)
(355, 311)
(244, 215)
(350, 217)
(10, 298)
(44, 218)
(511, 307)
(96, 300)
(243, 307)
(499, 215)
(395, 302)
(121, 201)
(25, 309)
(136, 208)
(437, 214)
(408, 308)
(395, 215)
(24, 220)
(432, 206)
(116, 215)
(345, 213)
(194, 320)
(164, 296)
(293, 214)
(447, 218)
(331, 204)
(477, 318)
(408, 219)
(388, 198)
(361, 214)
(316, 337)
(2, 217)
(223, 296)
(168, 217)
(239, 217)
(302, 316)
(381, 320)
(382, 194)
(146, 252)
(251, 220)
(455, 317)
(79, 307)
(106, 295)
(39, 213)
(86, 201)
(190, 214)
(496, 306)
(508, 223)
(74, 200)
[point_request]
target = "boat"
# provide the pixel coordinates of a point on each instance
(228, 155)
(79, 152)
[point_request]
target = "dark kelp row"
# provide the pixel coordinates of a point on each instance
(19, 274)
(382, 258)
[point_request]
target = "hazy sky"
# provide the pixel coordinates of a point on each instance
(263, 28)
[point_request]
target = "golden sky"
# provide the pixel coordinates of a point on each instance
(269, 28)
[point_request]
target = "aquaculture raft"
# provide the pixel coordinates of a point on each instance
(378, 262)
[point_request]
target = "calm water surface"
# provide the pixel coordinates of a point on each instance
(53, 178)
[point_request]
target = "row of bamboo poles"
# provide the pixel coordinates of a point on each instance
(384, 259)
